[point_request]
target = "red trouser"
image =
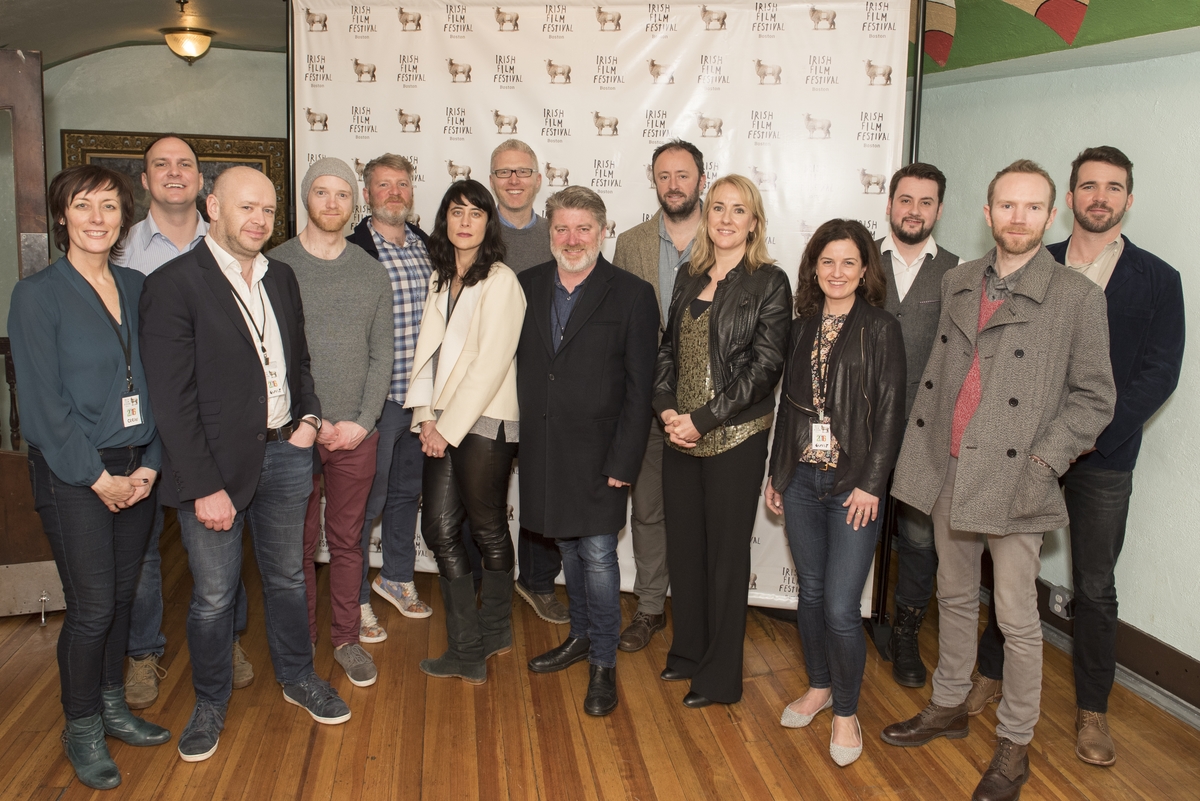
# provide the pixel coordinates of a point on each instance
(348, 477)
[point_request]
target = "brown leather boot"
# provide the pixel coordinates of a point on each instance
(983, 692)
(932, 721)
(1093, 743)
(1004, 777)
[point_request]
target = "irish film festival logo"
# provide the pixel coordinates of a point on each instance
(559, 73)
(409, 20)
(506, 75)
(819, 16)
(606, 76)
(554, 126)
(661, 73)
(409, 122)
(360, 122)
(316, 120)
(456, 126)
(767, 73)
(507, 20)
(316, 22)
(557, 176)
(609, 20)
(456, 21)
(503, 121)
(604, 124)
(409, 73)
(556, 24)
(713, 20)
(360, 22)
(458, 69)
(364, 71)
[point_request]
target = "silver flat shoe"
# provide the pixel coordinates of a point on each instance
(845, 755)
(794, 720)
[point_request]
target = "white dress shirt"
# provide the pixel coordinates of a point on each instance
(260, 319)
(904, 272)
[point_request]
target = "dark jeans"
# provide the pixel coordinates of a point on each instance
(832, 562)
(1098, 505)
(97, 554)
(540, 561)
(276, 521)
(145, 620)
(917, 559)
(710, 505)
(396, 493)
(469, 482)
(594, 593)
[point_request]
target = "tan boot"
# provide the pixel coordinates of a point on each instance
(1004, 777)
(141, 681)
(983, 692)
(243, 671)
(1093, 743)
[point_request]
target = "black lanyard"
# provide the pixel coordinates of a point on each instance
(823, 375)
(127, 342)
(260, 334)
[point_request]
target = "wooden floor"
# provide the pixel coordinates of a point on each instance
(524, 736)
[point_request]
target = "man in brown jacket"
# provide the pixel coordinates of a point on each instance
(1018, 385)
(654, 251)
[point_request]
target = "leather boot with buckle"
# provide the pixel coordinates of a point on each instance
(1004, 777)
(1093, 743)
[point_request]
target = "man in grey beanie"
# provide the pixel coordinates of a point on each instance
(348, 322)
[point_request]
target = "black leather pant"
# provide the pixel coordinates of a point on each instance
(471, 482)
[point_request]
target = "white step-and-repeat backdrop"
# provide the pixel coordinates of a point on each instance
(806, 99)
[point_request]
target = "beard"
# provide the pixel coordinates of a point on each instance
(1101, 226)
(1016, 244)
(678, 210)
(579, 263)
(905, 237)
(394, 216)
(329, 225)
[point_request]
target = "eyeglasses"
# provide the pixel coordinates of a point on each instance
(522, 172)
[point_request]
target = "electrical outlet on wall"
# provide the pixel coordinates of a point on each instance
(1060, 602)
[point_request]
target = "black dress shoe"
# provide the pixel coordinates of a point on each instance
(602, 691)
(574, 649)
(671, 674)
(694, 700)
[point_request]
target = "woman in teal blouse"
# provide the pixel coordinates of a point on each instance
(93, 453)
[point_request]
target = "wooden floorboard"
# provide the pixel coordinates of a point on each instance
(524, 736)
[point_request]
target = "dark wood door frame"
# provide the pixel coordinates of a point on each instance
(21, 92)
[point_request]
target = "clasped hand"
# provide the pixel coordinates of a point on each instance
(679, 429)
(432, 443)
(121, 492)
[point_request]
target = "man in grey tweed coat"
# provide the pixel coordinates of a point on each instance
(1017, 386)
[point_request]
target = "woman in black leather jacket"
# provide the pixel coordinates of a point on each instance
(720, 359)
(841, 419)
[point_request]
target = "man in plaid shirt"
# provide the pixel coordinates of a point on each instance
(402, 248)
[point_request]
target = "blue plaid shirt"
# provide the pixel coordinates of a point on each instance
(409, 269)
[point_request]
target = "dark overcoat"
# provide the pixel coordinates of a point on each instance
(585, 410)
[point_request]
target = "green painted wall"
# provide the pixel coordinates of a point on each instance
(991, 30)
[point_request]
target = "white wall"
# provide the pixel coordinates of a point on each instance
(147, 88)
(1148, 109)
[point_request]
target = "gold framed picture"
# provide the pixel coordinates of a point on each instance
(122, 151)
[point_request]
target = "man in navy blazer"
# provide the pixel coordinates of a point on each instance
(584, 371)
(1146, 334)
(227, 365)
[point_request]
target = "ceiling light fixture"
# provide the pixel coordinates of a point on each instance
(188, 43)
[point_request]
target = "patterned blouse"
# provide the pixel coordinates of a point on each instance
(831, 327)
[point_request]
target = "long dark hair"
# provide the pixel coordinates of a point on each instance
(809, 297)
(441, 249)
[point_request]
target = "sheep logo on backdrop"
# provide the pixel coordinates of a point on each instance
(702, 72)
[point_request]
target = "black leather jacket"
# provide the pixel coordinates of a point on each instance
(864, 399)
(747, 335)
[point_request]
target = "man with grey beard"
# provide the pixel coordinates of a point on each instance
(585, 365)
(654, 251)
(396, 492)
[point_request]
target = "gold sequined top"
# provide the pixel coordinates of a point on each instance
(694, 388)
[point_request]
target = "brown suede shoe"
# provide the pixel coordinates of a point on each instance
(932, 721)
(1094, 744)
(1004, 777)
(983, 692)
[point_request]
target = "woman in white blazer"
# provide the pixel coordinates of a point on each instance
(464, 400)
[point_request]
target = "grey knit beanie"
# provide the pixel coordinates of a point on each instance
(328, 166)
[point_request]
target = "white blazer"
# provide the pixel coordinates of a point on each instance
(477, 367)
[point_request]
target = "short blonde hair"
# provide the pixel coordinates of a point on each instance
(1027, 167)
(756, 256)
(517, 145)
(388, 160)
(577, 197)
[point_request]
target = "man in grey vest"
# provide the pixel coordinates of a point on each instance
(654, 251)
(914, 265)
(515, 182)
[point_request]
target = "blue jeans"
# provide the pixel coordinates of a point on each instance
(276, 519)
(916, 557)
(97, 554)
(145, 621)
(396, 493)
(594, 592)
(832, 561)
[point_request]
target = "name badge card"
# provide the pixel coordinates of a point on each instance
(822, 437)
(131, 410)
(275, 387)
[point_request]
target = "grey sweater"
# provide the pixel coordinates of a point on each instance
(348, 324)
(527, 247)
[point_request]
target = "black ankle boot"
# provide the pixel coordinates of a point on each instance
(119, 722)
(464, 657)
(495, 612)
(83, 740)
(907, 668)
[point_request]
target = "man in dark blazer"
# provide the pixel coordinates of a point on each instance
(585, 364)
(655, 251)
(914, 265)
(1144, 295)
(227, 364)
